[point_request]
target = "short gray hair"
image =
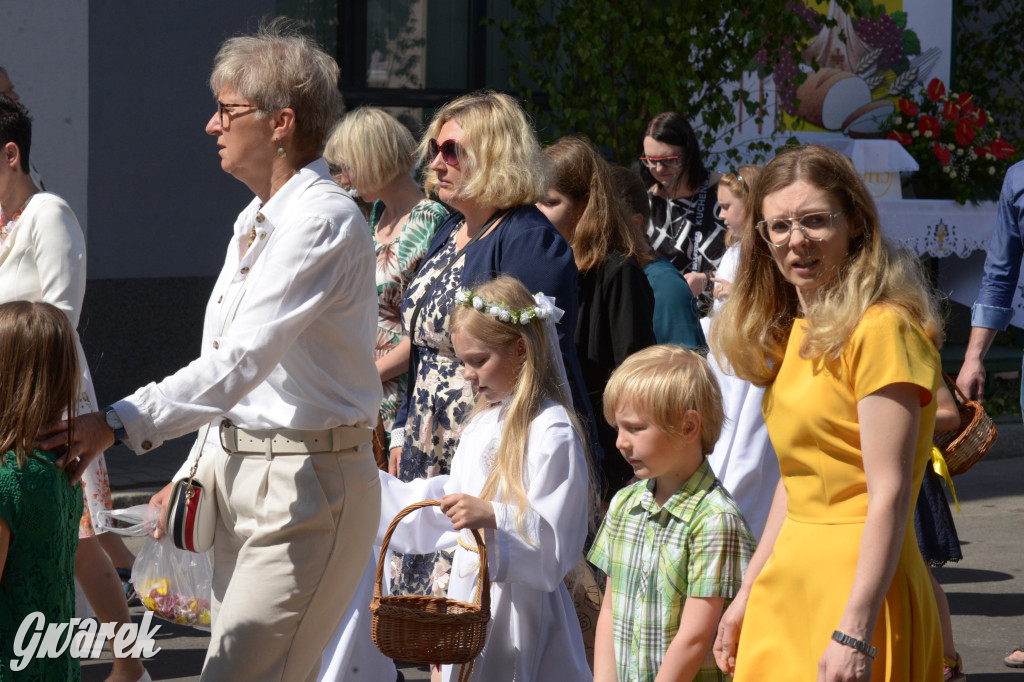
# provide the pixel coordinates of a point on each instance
(278, 67)
(374, 146)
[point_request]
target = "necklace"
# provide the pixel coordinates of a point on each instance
(7, 224)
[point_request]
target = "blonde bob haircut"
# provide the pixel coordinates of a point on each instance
(578, 171)
(374, 146)
(502, 165)
(537, 382)
(739, 183)
(662, 383)
(752, 330)
(278, 68)
(40, 378)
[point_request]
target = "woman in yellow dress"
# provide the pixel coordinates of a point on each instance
(842, 331)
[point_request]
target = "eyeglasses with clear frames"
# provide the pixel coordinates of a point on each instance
(223, 107)
(672, 162)
(814, 226)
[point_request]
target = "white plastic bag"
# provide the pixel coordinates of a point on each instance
(173, 583)
(137, 521)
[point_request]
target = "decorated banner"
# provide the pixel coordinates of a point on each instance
(856, 68)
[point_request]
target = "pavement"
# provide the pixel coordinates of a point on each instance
(985, 590)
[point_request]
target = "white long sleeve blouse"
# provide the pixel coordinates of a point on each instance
(299, 352)
(43, 258)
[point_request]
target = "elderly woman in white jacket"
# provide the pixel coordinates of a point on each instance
(285, 375)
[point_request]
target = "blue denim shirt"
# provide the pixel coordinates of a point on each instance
(993, 308)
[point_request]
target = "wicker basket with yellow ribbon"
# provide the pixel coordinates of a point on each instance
(430, 630)
(964, 447)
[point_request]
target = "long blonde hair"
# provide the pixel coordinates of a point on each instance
(753, 328)
(39, 375)
(537, 382)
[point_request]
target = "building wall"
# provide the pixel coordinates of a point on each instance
(45, 49)
(161, 209)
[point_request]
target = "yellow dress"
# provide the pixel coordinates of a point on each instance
(796, 602)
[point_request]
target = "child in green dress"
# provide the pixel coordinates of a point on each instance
(39, 510)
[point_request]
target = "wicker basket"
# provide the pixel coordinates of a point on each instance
(977, 434)
(430, 630)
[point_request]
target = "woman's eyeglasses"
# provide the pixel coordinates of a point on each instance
(672, 162)
(223, 107)
(814, 226)
(450, 151)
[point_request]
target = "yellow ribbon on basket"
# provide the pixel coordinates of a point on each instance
(939, 466)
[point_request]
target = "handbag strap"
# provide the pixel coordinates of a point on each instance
(411, 380)
(204, 430)
(451, 263)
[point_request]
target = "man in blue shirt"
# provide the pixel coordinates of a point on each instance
(992, 311)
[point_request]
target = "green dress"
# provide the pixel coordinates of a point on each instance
(42, 511)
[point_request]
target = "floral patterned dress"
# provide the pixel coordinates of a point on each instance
(397, 262)
(439, 407)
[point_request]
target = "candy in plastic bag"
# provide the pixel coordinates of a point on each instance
(173, 583)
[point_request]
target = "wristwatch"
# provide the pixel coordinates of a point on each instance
(857, 644)
(114, 422)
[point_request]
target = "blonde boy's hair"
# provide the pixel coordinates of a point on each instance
(662, 383)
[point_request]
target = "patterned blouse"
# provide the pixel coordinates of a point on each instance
(397, 263)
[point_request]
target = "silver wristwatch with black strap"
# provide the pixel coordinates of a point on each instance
(114, 422)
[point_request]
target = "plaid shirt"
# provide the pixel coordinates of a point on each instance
(697, 545)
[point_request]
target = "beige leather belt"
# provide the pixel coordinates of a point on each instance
(270, 442)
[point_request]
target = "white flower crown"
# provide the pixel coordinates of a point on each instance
(543, 309)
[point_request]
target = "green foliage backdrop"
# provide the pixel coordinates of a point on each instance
(605, 67)
(989, 60)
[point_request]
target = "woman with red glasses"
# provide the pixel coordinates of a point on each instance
(485, 162)
(684, 227)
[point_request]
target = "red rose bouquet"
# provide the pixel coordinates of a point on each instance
(960, 153)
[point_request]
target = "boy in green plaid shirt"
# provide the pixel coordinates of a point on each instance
(674, 545)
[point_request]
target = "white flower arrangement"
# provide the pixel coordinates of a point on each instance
(501, 312)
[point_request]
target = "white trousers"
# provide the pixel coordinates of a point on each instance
(293, 534)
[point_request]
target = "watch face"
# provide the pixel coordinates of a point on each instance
(113, 421)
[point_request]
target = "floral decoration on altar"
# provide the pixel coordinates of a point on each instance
(961, 154)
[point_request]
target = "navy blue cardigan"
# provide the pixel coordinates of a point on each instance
(526, 246)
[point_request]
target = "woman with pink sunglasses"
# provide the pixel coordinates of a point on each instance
(485, 163)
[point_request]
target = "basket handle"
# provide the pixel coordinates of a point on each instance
(483, 585)
(956, 389)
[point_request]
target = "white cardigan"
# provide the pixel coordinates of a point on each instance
(44, 257)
